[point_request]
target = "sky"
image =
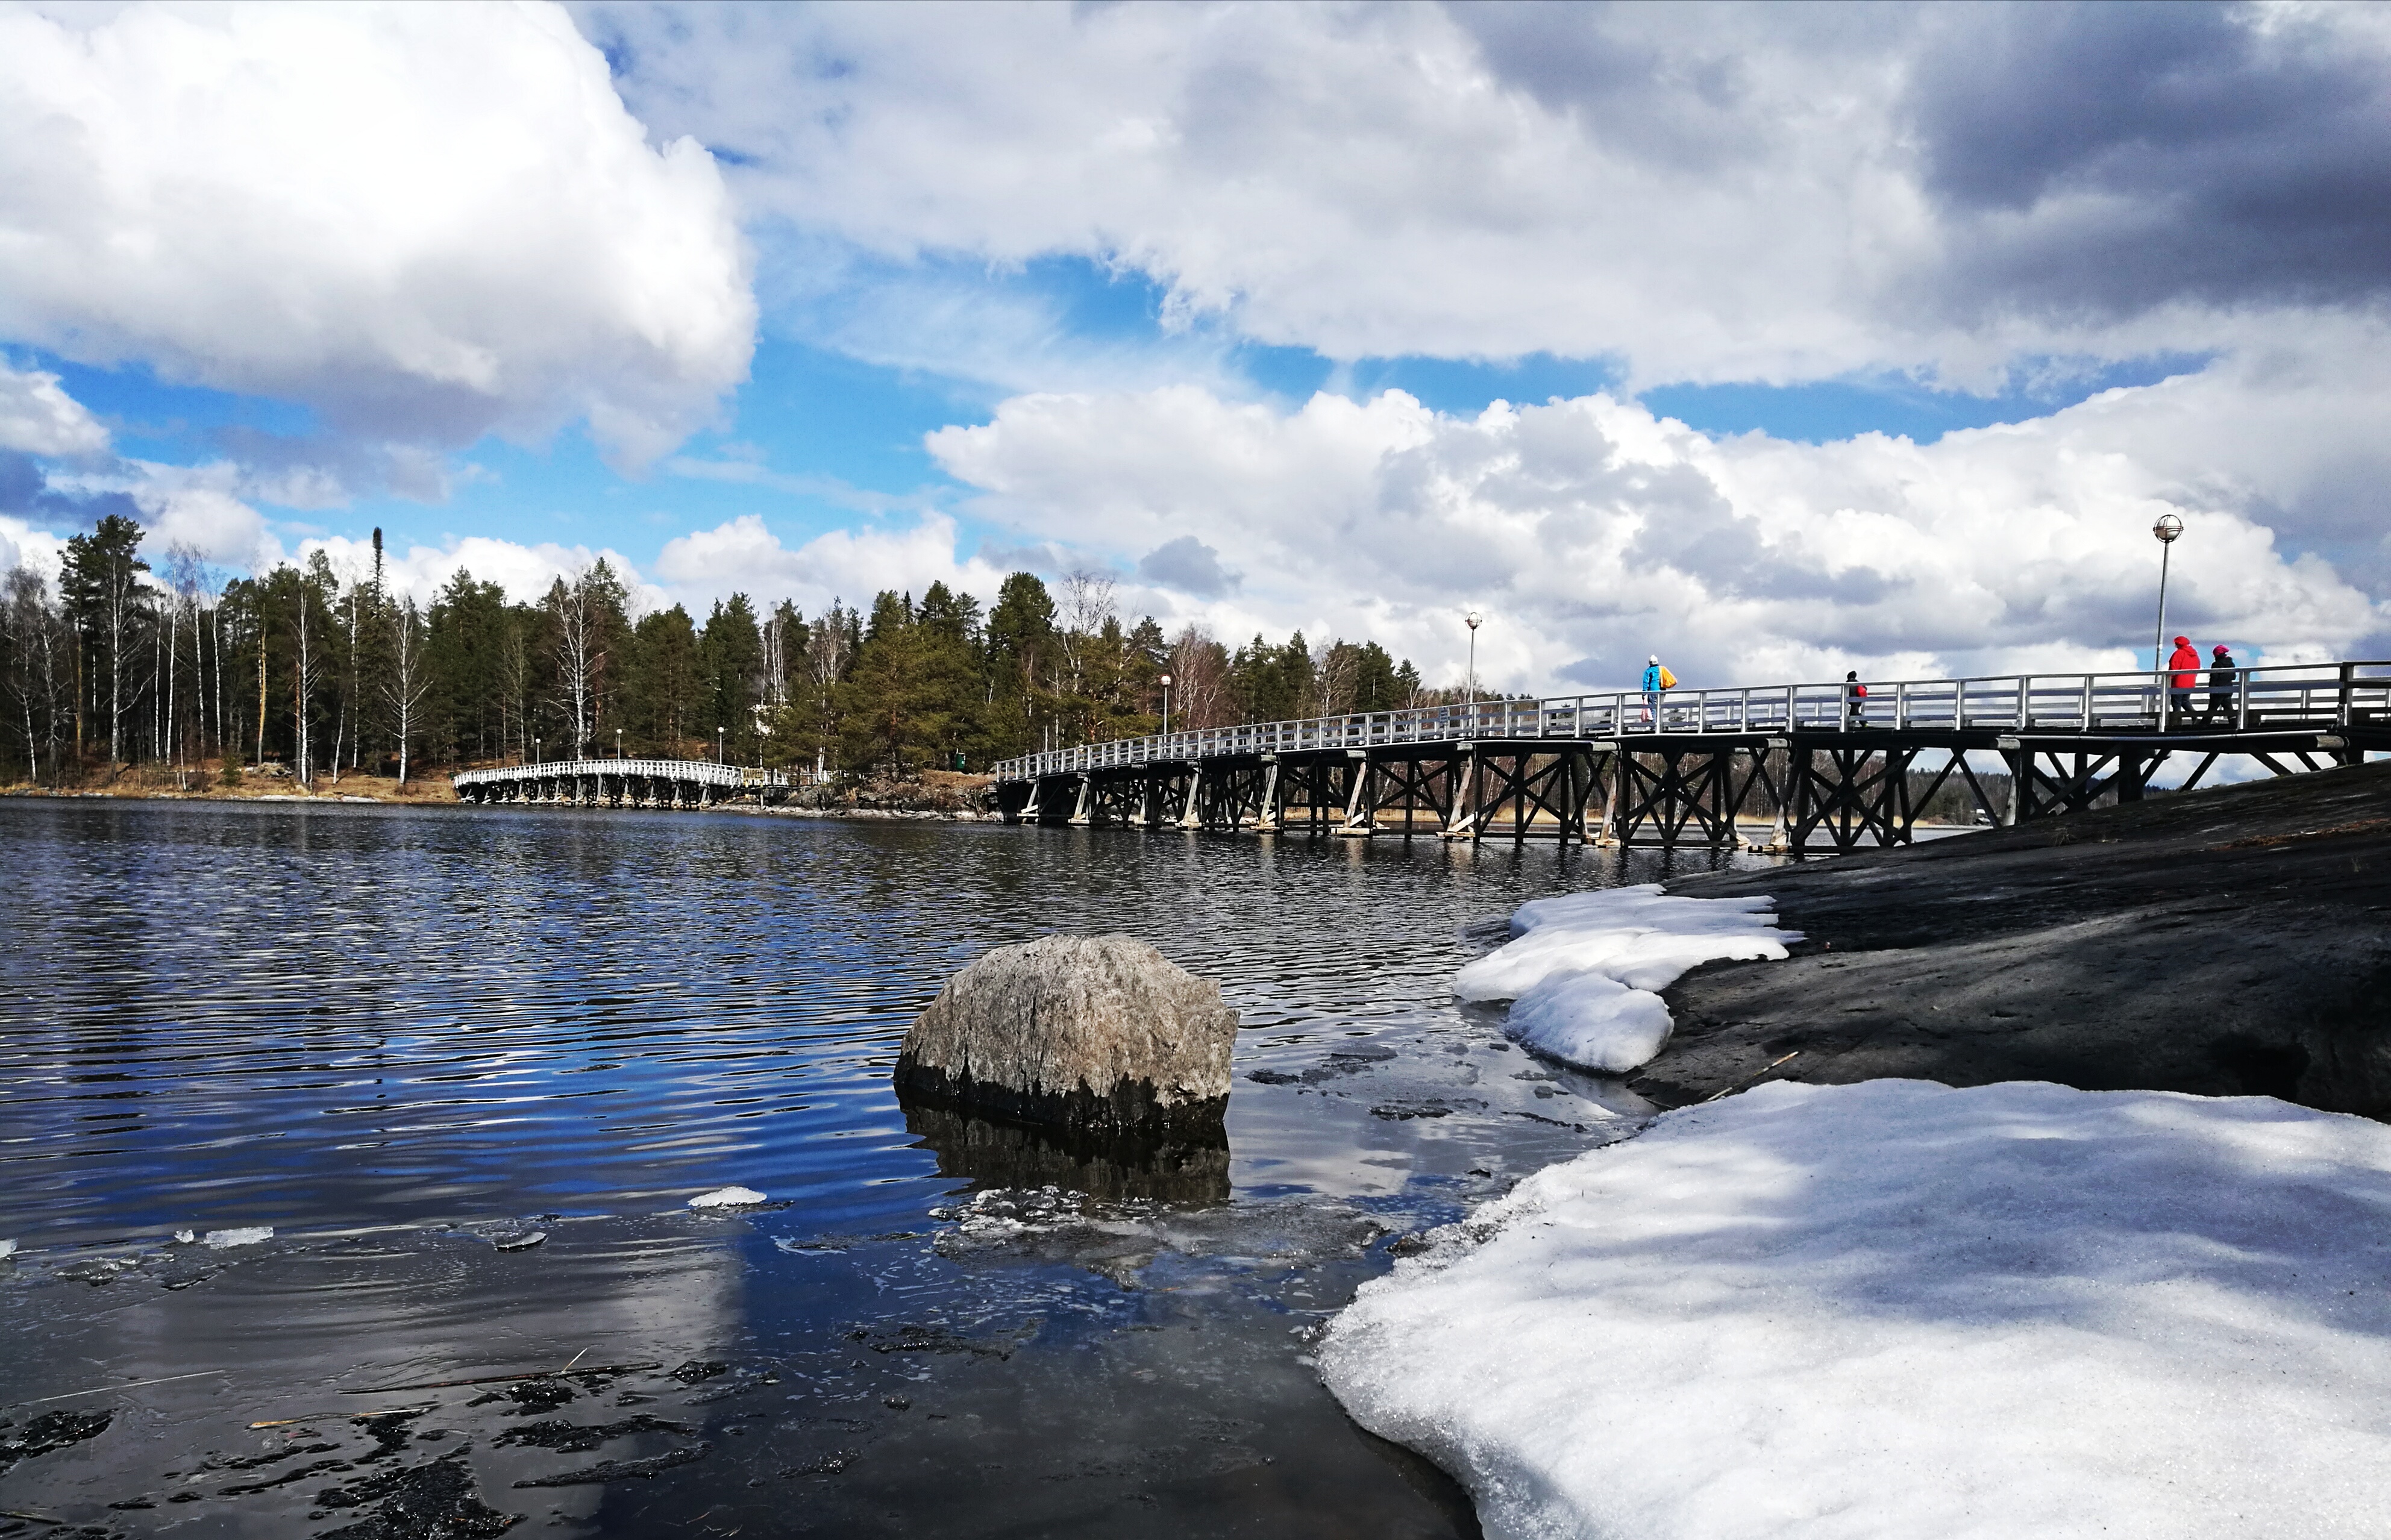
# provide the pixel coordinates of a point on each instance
(1774, 340)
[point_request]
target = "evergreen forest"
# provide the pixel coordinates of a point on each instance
(132, 659)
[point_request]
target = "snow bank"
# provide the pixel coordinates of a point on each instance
(1895, 1308)
(1585, 974)
(727, 1198)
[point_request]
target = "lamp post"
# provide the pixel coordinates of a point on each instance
(534, 748)
(720, 734)
(1473, 620)
(1165, 706)
(618, 743)
(2166, 529)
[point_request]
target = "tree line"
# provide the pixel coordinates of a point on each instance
(319, 672)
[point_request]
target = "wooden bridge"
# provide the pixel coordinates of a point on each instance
(1819, 763)
(620, 784)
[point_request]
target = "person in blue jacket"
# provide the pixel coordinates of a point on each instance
(1652, 688)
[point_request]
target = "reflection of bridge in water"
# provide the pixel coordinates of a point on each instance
(1820, 762)
(622, 783)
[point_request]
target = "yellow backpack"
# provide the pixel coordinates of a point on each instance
(1668, 681)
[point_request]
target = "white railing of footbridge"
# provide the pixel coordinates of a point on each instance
(704, 772)
(2284, 698)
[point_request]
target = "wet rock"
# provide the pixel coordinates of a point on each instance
(698, 1370)
(575, 1437)
(1402, 1111)
(615, 1471)
(419, 1502)
(48, 1431)
(1097, 1032)
(938, 1340)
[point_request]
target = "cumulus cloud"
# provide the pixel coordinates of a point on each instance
(746, 556)
(1189, 566)
(38, 418)
(1593, 533)
(423, 222)
(1704, 192)
(523, 571)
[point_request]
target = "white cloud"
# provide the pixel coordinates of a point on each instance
(27, 545)
(423, 222)
(1705, 192)
(525, 572)
(1591, 533)
(38, 418)
(745, 556)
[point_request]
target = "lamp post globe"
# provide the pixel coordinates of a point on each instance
(2166, 529)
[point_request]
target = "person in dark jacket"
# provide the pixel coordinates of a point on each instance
(1855, 700)
(2221, 670)
(2183, 672)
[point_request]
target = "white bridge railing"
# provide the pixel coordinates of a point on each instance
(703, 772)
(2284, 698)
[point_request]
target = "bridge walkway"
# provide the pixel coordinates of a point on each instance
(1820, 763)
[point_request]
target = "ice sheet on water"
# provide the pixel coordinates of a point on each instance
(1895, 1308)
(1584, 970)
(8, 1247)
(247, 1235)
(728, 1198)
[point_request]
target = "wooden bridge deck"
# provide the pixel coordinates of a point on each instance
(1819, 760)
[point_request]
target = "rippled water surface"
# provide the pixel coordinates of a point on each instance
(399, 1038)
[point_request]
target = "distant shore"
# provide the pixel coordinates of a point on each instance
(2225, 942)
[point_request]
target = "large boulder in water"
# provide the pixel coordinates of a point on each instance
(1083, 1033)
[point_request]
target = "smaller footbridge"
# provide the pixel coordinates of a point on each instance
(1839, 764)
(622, 783)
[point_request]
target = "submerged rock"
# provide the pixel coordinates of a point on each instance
(1084, 1032)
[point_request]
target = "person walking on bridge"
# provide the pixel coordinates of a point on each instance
(1657, 680)
(2183, 672)
(2221, 670)
(1855, 700)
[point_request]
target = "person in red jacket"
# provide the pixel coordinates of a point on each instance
(2183, 673)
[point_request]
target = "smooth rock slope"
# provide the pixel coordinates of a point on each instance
(2227, 942)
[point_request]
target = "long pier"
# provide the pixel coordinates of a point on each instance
(620, 784)
(1828, 764)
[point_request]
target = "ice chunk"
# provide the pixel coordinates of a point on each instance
(1895, 1309)
(8, 1247)
(727, 1198)
(185, 1237)
(248, 1234)
(1638, 940)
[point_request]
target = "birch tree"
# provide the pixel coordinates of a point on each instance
(405, 680)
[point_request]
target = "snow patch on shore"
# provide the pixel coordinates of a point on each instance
(1895, 1309)
(1585, 971)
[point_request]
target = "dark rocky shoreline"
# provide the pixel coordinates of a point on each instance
(2233, 941)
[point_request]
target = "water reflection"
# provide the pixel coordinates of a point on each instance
(393, 1035)
(1187, 1168)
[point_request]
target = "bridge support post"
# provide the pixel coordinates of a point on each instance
(1780, 833)
(1192, 815)
(1083, 813)
(1266, 815)
(1461, 823)
(1361, 813)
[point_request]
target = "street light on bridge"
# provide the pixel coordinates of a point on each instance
(2166, 529)
(534, 748)
(1165, 706)
(1473, 620)
(618, 743)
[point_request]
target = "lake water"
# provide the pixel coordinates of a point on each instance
(408, 1041)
